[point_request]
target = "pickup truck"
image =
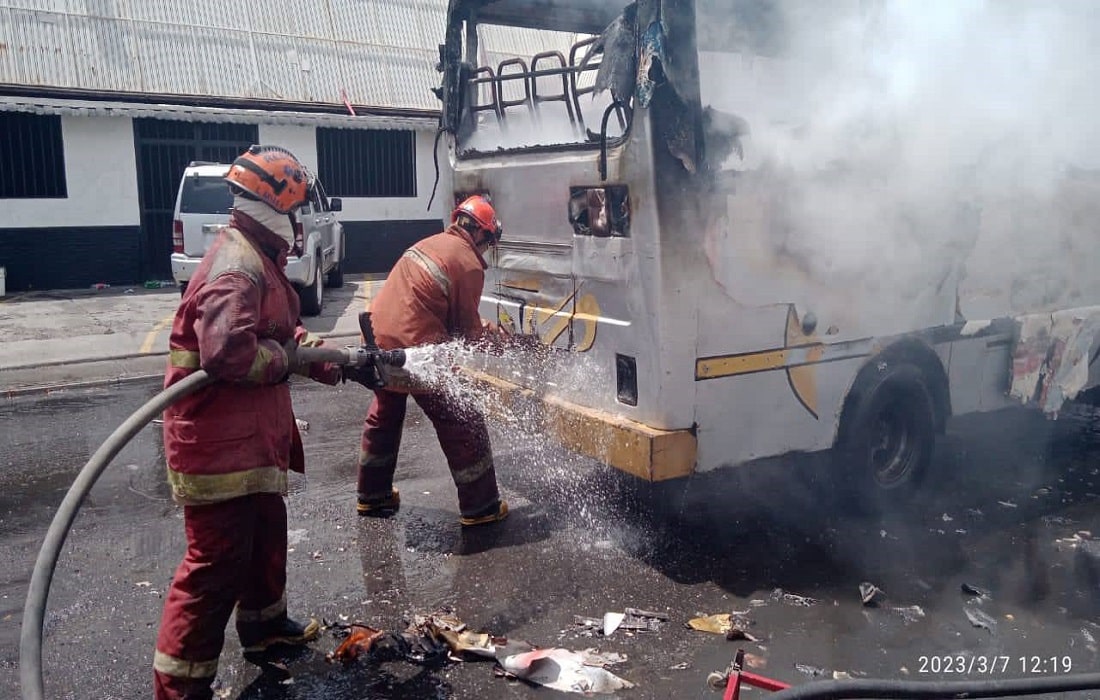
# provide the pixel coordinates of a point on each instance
(202, 207)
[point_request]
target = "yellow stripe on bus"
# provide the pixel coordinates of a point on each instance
(730, 365)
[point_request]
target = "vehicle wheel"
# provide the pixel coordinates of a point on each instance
(183, 288)
(335, 278)
(887, 439)
(312, 297)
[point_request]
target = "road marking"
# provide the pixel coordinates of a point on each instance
(368, 293)
(151, 336)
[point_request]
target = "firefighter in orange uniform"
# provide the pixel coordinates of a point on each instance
(431, 296)
(229, 445)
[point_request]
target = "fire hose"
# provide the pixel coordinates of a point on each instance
(368, 358)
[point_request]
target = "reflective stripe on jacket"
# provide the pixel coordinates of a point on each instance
(234, 437)
(432, 294)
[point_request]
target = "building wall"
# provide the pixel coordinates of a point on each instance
(93, 235)
(100, 174)
(378, 229)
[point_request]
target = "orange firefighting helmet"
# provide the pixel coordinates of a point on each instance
(272, 175)
(479, 209)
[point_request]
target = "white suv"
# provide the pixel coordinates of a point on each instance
(202, 207)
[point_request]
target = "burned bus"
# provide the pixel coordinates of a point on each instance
(739, 272)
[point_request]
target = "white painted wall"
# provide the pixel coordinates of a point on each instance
(299, 140)
(101, 173)
(302, 142)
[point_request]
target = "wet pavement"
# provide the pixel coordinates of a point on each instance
(581, 540)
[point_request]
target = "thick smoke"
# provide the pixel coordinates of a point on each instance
(904, 151)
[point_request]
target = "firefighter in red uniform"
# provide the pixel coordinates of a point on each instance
(230, 444)
(431, 296)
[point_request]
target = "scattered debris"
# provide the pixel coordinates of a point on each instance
(360, 640)
(682, 666)
(973, 590)
(143, 584)
(303, 426)
(870, 594)
(1090, 640)
(1073, 542)
(611, 622)
(792, 599)
(909, 613)
(754, 661)
(947, 518)
(729, 624)
(1007, 504)
(567, 671)
(979, 618)
(1056, 520)
(811, 671)
(630, 619)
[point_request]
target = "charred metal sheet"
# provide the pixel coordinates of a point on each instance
(1052, 356)
(650, 71)
(618, 43)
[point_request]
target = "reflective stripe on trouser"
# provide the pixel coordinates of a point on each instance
(236, 554)
(462, 435)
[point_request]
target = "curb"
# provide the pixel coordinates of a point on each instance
(133, 356)
(17, 392)
(72, 386)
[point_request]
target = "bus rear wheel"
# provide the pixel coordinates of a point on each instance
(887, 439)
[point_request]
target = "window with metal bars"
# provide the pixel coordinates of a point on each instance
(367, 162)
(32, 157)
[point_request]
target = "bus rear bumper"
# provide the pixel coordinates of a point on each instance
(635, 448)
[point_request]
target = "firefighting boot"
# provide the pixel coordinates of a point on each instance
(494, 513)
(381, 507)
(287, 632)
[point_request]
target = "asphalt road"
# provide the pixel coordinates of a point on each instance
(580, 541)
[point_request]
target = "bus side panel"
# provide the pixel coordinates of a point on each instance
(757, 415)
(979, 373)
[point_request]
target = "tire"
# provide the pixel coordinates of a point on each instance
(312, 298)
(887, 439)
(183, 288)
(335, 277)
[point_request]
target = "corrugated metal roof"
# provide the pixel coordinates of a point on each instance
(209, 114)
(381, 52)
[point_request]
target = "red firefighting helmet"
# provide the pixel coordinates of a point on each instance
(479, 209)
(272, 175)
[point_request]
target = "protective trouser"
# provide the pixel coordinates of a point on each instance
(462, 435)
(236, 555)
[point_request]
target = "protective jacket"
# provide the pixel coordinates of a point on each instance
(432, 293)
(236, 436)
